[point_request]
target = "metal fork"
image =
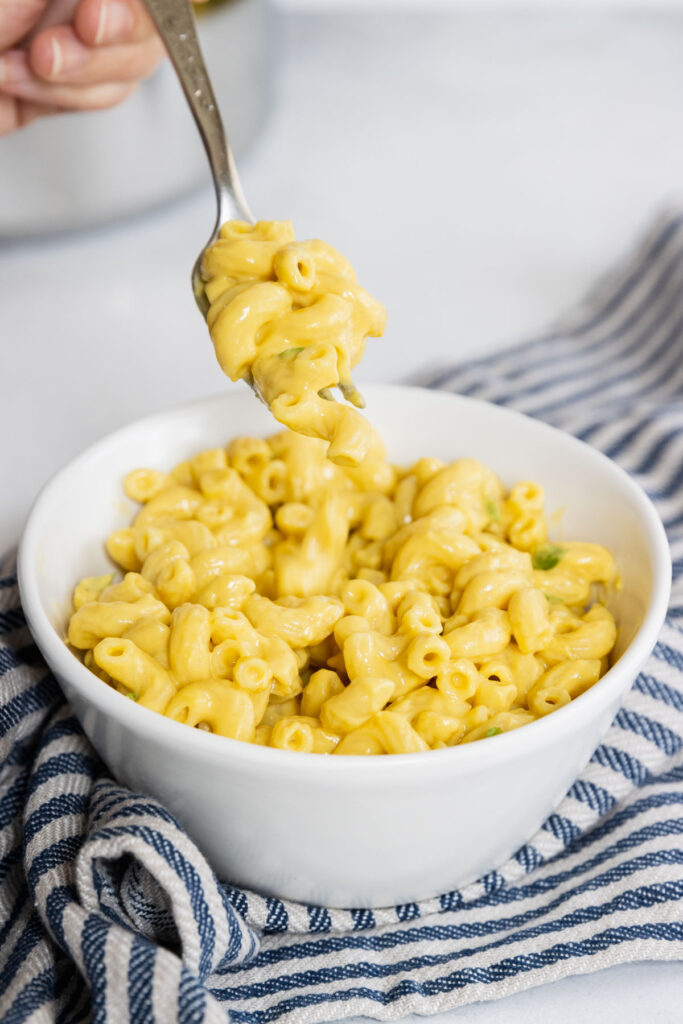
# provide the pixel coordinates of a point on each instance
(175, 24)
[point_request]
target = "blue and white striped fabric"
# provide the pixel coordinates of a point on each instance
(108, 912)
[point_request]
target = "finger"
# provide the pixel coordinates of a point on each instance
(19, 81)
(16, 114)
(16, 19)
(58, 56)
(106, 22)
(57, 12)
(9, 114)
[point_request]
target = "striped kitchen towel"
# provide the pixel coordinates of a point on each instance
(108, 912)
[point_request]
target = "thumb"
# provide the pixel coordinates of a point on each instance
(17, 18)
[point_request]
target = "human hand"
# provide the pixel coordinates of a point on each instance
(60, 55)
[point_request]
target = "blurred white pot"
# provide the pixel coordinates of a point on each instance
(71, 171)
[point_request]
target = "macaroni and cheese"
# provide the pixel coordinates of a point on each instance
(271, 596)
(303, 593)
(290, 318)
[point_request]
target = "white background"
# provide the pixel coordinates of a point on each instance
(479, 169)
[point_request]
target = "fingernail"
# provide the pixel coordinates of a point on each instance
(116, 21)
(57, 60)
(65, 56)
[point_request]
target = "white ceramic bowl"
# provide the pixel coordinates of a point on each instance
(349, 831)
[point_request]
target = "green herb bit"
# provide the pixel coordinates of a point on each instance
(493, 731)
(552, 599)
(547, 557)
(132, 696)
(492, 510)
(290, 353)
(305, 676)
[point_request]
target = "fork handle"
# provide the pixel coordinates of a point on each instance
(175, 24)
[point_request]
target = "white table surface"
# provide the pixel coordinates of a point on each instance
(479, 171)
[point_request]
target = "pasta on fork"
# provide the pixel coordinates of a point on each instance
(290, 318)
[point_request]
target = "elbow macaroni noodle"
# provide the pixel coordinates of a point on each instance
(303, 593)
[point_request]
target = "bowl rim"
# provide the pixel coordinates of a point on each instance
(538, 733)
